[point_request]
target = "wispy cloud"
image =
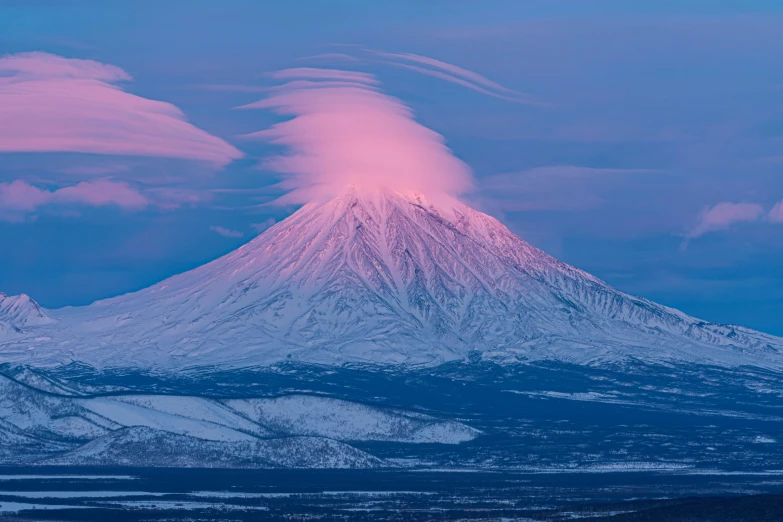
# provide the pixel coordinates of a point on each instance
(229, 87)
(170, 198)
(324, 74)
(319, 84)
(38, 65)
(450, 68)
(332, 56)
(101, 192)
(454, 74)
(776, 214)
(724, 215)
(569, 188)
(96, 170)
(53, 104)
(264, 225)
(226, 232)
(430, 67)
(19, 198)
(355, 135)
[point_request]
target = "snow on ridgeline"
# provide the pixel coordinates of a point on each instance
(342, 420)
(382, 278)
(18, 312)
(160, 430)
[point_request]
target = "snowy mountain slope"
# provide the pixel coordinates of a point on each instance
(48, 416)
(17, 313)
(126, 413)
(284, 431)
(7, 331)
(147, 447)
(20, 311)
(342, 420)
(39, 381)
(76, 418)
(382, 278)
(19, 447)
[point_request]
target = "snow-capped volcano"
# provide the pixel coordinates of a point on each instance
(381, 277)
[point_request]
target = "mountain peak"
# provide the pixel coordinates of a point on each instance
(382, 277)
(20, 311)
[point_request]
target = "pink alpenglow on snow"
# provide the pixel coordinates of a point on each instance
(53, 104)
(725, 214)
(354, 135)
(19, 197)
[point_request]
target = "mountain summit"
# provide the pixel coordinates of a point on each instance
(19, 311)
(380, 277)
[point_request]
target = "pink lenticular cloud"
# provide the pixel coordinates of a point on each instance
(54, 104)
(314, 73)
(45, 65)
(725, 214)
(19, 197)
(355, 135)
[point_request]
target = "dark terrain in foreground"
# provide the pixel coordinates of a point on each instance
(557, 442)
(537, 417)
(90, 494)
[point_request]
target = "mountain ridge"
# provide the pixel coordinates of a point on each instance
(382, 277)
(21, 311)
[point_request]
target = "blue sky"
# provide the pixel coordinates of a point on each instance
(650, 115)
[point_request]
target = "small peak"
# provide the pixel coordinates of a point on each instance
(21, 310)
(18, 300)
